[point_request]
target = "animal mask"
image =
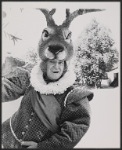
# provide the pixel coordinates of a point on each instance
(56, 40)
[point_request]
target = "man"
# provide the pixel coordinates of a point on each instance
(52, 114)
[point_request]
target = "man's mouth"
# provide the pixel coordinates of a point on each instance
(55, 71)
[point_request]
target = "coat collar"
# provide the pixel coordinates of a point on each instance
(58, 87)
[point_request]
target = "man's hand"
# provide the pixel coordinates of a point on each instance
(29, 144)
(10, 64)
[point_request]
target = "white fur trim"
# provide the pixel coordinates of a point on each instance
(57, 87)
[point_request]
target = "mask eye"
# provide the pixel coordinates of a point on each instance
(45, 34)
(69, 36)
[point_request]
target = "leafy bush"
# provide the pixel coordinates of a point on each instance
(96, 54)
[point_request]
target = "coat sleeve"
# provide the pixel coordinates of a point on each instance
(75, 121)
(14, 85)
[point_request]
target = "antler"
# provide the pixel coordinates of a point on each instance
(48, 14)
(71, 16)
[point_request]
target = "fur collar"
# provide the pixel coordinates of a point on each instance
(58, 87)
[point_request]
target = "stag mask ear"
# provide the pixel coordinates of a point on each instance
(48, 14)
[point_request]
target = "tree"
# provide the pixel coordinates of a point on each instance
(31, 56)
(95, 53)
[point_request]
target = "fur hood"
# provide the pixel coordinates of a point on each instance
(58, 87)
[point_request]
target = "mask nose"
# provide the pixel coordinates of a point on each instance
(55, 52)
(55, 49)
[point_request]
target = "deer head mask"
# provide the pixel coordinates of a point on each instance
(56, 40)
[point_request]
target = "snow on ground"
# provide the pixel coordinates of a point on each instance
(104, 131)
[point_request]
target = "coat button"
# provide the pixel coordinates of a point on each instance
(30, 119)
(26, 126)
(32, 113)
(20, 140)
(23, 133)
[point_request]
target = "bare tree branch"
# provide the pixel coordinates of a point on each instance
(13, 38)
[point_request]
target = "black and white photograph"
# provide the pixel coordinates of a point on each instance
(60, 74)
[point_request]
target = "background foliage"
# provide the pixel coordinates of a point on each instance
(96, 54)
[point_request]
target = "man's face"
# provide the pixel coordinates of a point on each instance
(55, 69)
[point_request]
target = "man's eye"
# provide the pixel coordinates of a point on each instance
(51, 61)
(61, 62)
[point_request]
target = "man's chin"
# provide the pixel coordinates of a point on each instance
(55, 77)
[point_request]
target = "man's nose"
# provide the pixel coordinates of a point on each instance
(56, 65)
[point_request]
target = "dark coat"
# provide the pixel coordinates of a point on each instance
(73, 120)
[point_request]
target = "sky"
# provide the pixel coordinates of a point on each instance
(26, 22)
